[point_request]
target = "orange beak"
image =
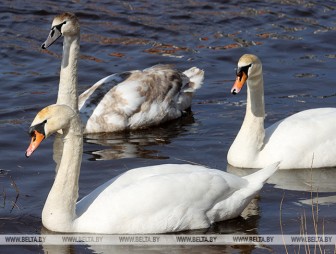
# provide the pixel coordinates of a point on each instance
(35, 142)
(239, 83)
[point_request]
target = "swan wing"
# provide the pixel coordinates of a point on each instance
(303, 139)
(157, 199)
(89, 99)
(138, 99)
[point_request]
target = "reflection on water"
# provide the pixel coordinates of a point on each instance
(178, 249)
(329, 200)
(310, 180)
(317, 180)
(10, 193)
(136, 144)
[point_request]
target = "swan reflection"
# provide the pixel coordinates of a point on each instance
(136, 144)
(320, 180)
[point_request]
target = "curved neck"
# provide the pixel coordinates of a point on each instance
(255, 108)
(252, 132)
(67, 92)
(59, 210)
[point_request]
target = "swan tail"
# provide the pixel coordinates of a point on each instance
(261, 176)
(196, 77)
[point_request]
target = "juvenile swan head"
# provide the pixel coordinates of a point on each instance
(65, 24)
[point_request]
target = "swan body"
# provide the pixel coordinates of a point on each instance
(155, 199)
(122, 101)
(303, 140)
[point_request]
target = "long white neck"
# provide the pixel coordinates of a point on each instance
(59, 210)
(250, 139)
(67, 92)
(255, 108)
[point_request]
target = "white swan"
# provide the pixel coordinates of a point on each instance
(302, 140)
(155, 199)
(129, 100)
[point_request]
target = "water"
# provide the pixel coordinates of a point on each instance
(294, 39)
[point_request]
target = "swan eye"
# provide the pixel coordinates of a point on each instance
(58, 27)
(39, 128)
(240, 70)
(33, 135)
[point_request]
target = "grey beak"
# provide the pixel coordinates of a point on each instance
(53, 36)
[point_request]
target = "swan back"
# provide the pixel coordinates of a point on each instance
(138, 99)
(167, 198)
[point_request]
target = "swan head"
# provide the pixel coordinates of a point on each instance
(249, 68)
(65, 24)
(48, 121)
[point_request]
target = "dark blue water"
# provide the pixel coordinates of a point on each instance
(295, 40)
